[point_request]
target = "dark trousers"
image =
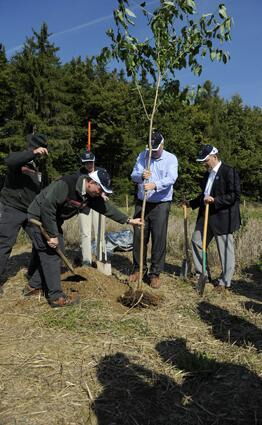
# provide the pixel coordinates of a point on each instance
(156, 221)
(46, 274)
(11, 221)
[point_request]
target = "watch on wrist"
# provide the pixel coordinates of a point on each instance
(128, 220)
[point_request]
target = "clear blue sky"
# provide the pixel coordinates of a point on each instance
(79, 26)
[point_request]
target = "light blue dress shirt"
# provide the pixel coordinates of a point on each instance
(164, 172)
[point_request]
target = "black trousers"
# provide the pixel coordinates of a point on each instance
(46, 274)
(11, 221)
(156, 221)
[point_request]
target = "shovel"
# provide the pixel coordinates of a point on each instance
(77, 277)
(186, 264)
(203, 278)
(103, 266)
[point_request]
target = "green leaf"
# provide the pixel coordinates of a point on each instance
(191, 3)
(213, 55)
(222, 11)
(225, 57)
(130, 13)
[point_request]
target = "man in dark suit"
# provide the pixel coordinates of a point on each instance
(221, 190)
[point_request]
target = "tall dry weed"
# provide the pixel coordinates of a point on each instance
(248, 240)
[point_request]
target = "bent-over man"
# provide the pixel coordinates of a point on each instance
(58, 202)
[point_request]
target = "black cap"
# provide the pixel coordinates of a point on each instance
(156, 140)
(87, 157)
(102, 177)
(37, 140)
(205, 151)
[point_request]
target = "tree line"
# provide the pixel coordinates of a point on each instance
(39, 93)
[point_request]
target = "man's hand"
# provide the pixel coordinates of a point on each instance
(149, 186)
(135, 221)
(209, 200)
(146, 174)
(53, 242)
(103, 195)
(40, 151)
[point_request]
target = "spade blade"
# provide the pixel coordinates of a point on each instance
(200, 286)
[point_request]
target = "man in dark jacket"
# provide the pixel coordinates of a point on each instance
(221, 190)
(23, 181)
(60, 201)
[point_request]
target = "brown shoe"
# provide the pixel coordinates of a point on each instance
(28, 291)
(65, 301)
(134, 277)
(154, 281)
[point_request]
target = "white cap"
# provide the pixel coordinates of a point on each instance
(102, 177)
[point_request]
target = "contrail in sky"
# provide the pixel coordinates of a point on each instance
(85, 25)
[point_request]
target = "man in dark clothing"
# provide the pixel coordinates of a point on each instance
(221, 190)
(22, 182)
(60, 201)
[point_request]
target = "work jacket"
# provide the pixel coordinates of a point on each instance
(63, 199)
(23, 181)
(224, 213)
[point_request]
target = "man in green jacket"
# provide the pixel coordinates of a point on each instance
(60, 201)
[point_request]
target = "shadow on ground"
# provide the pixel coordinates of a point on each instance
(250, 287)
(121, 263)
(209, 394)
(252, 306)
(16, 263)
(230, 328)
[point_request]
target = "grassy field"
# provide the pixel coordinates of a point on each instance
(190, 361)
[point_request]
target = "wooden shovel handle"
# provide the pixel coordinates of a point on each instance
(47, 237)
(185, 211)
(204, 243)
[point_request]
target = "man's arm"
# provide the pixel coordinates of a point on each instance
(55, 195)
(110, 211)
(170, 177)
(17, 159)
(232, 190)
(137, 173)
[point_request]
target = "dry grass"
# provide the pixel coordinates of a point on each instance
(189, 361)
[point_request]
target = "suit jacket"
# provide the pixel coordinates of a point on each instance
(224, 213)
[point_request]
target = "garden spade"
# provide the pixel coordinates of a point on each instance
(203, 278)
(103, 265)
(186, 264)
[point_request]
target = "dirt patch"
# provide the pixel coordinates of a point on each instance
(188, 361)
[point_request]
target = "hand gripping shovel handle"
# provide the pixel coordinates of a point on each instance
(47, 237)
(203, 277)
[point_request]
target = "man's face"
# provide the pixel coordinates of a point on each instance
(89, 165)
(210, 162)
(93, 189)
(157, 154)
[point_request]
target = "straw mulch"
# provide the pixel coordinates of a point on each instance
(186, 361)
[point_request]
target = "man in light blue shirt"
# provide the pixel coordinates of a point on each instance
(158, 183)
